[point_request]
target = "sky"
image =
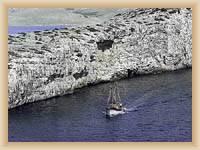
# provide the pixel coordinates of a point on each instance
(60, 16)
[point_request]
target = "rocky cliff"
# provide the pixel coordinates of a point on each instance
(44, 64)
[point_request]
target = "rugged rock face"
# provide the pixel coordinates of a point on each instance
(45, 64)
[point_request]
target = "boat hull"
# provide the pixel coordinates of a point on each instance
(113, 112)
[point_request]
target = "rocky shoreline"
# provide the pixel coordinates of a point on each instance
(44, 64)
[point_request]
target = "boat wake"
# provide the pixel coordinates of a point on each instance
(131, 109)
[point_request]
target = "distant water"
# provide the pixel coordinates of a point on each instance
(19, 29)
(159, 110)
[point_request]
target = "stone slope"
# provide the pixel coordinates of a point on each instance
(44, 64)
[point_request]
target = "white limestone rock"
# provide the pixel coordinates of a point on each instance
(44, 64)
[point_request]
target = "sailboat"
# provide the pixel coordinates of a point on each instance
(114, 104)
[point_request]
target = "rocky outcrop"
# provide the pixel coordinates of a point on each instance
(44, 64)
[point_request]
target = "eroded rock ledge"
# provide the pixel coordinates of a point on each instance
(45, 64)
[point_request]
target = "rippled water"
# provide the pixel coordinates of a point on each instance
(160, 110)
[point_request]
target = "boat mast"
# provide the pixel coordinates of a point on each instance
(118, 96)
(114, 93)
(110, 97)
(114, 96)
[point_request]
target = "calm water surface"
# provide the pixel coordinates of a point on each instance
(19, 29)
(159, 110)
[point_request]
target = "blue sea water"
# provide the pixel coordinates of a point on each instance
(18, 29)
(160, 109)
